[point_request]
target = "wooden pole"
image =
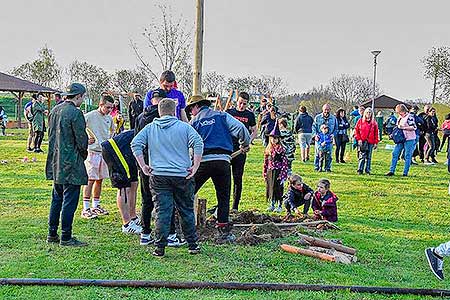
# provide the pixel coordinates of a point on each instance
(312, 223)
(221, 285)
(19, 109)
(198, 51)
(327, 244)
(307, 252)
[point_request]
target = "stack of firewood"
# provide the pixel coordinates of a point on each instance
(322, 249)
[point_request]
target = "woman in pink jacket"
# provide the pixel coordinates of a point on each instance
(407, 124)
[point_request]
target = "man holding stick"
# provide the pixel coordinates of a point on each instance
(246, 117)
(217, 129)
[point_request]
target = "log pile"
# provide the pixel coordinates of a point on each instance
(322, 249)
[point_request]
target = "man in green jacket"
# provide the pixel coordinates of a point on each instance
(38, 111)
(68, 143)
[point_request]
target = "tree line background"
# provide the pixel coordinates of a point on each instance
(168, 41)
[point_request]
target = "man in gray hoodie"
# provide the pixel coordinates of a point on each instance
(171, 172)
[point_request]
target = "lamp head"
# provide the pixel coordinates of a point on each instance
(375, 52)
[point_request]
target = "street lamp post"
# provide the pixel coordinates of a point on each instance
(375, 54)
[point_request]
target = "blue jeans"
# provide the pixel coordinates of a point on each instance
(327, 157)
(365, 159)
(168, 191)
(408, 147)
(64, 202)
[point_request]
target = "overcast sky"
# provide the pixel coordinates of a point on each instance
(304, 42)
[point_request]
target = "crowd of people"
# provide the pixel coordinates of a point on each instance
(210, 144)
(213, 145)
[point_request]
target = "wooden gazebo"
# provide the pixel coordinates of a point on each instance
(18, 87)
(384, 102)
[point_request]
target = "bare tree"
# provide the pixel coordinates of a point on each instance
(184, 75)
(348, 90)
(131, 81)
(169, 40)
(214, 83)
(265, 85)
(316, 98)
(44, 70)
(269, 85)
(239, 83)
(96, 79)
(437, 68)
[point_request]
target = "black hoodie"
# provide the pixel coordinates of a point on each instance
(146, 117)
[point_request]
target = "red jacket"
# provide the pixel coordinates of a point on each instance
(367, 131)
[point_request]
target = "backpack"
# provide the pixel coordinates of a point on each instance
(420, 123)
(397, 135)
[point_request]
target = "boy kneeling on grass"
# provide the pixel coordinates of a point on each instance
(324, 203)
(298, 194)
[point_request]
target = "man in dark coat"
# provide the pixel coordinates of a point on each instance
(68, 144)
(135, 108)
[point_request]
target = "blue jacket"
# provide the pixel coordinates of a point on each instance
(268, 124)
(327, 139)
(319, 120)
(217, 129)
(168, 141)
(303, 123)
(117, 172)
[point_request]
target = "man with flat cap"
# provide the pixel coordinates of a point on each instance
(217, 130)
(68, 143)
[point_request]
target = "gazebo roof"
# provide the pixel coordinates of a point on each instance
(384, 102)
(10, 83)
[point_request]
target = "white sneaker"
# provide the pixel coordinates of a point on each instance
(137, 221)
(279, 209)
(132, 228)
(173, 240)
(146, 239)
(88, 214)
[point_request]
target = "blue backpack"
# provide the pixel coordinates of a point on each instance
(397, 135)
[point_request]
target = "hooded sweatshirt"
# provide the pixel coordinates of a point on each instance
(168, 141)
(146, 117)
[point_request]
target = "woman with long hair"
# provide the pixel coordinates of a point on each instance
(341, 136)
(367, 138)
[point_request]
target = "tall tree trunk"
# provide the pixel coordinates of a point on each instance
(434, 88)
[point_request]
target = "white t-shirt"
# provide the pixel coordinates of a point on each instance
(101, 125)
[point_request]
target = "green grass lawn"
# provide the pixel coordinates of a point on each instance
(389, 220)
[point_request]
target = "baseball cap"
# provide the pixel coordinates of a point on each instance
(74, 89)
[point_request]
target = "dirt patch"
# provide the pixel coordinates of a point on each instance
(259, 234)
(252, 217)
(264, 230)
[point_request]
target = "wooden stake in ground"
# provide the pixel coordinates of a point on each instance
(201, 213)
(307, 252)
